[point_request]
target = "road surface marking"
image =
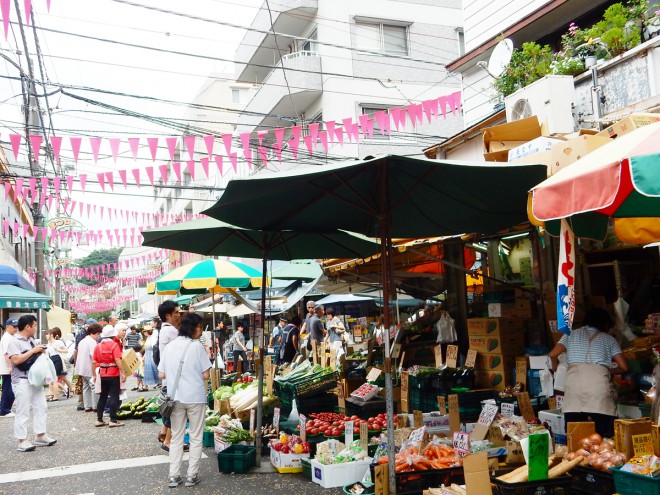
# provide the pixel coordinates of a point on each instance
(91, 467)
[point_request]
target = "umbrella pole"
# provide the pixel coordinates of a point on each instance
(389, 398)
(215, 345)
(260, 381)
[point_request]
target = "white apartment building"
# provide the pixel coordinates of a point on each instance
(625, 84)
(326, 60)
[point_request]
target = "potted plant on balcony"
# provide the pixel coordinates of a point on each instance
(651, 26)
(528, 64)
(615, 29)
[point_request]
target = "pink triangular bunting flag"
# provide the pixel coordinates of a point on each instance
(442, 101)
(28, 10)
(95, 143)
(111, 180)
(218, 162)
(83, 181)
(134, 144)
(153, 147)
(56, 145)
(163, 172)
(415, 112)
(5, 7)
(176, 166)
(114, 147)
(150, 174)
(430, 108)
(101, 177)
(205, 166)
(233, 158)
(323, 137)
(190, 145)
(75, 147)
(15, 140)
(122, 176)
(191, 168)
(227, 139)
(69, 183)
(35, 142)
(136, 176)
(209, 141)
(308, 143)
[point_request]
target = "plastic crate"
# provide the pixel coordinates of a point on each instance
(237, 459)
(415, 482)
(554, 486)
(307, 385)
(592, 481)
(208, 440)
(306, 469)
(634, 484)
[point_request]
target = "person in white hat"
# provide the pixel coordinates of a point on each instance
(107, 357)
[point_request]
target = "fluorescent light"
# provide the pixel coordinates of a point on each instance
(515, 236)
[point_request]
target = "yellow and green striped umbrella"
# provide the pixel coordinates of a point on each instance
(207, 275)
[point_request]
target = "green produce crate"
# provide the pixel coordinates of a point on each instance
(237, 459)
(307, 385)
(209, 439)
(635, 484)
(307, 469)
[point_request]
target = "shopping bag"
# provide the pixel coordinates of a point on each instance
(42, 372)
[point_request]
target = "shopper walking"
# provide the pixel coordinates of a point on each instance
(316, 331)
(276, 338)
(84, 365)
(22, 348)
(79, 383)
(239, 349)
(170, 316)
(107, 357)
(57, 352)
(185, 365)
(290, 340)
(7, 398)
(132, 339)
(590, 355)
(150, 368)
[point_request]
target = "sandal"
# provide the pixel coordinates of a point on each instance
(116, 424)
(51, 400)
(161, 437)
(98, 424)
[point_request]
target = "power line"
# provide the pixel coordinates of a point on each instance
(279, 54)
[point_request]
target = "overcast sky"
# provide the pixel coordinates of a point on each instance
(73, 60)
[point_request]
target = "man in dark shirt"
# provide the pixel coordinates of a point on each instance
(316, 329)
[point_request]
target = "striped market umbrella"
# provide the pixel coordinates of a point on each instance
(207, 275)
(620, 180)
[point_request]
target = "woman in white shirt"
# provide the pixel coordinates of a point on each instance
(150, 369)
(189, 395)
(57, 352)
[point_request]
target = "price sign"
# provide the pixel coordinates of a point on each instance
(348, 432)
(364, 436)
(373, 374)
(442, 407)
(333, 359)
(303, 424)
(538, 456)
(462, 442)
(552, 403)
(642, 444)
(276, 419)
(560, 401)
(418, 419)
(341, 394)
(416, 436)
(454, 415)
(525, 406)
(508, 409)
(487, 415)
(252, 418)
(404, 391)
(471, 358)
(437, 352)
(452, 356)
(521, 371)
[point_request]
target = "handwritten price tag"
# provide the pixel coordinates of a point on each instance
(452, 356)
(437, 351)
(303, 424)
(276, 419)
(507, 408)
(560, 401)
(642, 444)
(416, 436)
(462, 442)
(487, 415)
(471, 358)
(348, 432)
(373, 375)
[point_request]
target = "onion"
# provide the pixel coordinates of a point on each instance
(583, 453)
(608, 441)
(595, 448)
(606, 455)
(606, 447)
(622, 457)
(597, 463)
(609, 464)
(585, 443)
(616, 461)
(595, 438)
(592, 458)
(570, 456)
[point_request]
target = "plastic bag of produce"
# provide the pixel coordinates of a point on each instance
(294, 416)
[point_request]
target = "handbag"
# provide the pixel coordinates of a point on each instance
(27, 364)
(166, 400)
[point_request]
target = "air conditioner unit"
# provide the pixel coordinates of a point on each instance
(550, 99)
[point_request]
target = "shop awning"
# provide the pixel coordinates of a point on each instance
(10, 276)
(12, 297)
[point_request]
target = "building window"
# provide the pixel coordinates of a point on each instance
(238, 95)
(371, 110)
(460, 35)
(310, 45)
(382, 37)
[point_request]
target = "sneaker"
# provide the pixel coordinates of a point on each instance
(173, 481)
(80, 407)
(192, 480)
(44, 441)
(8, 415)
(25, 446)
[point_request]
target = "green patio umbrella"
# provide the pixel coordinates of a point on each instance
(385, 197)
(215, 238)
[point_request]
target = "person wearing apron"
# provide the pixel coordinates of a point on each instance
(590, 352)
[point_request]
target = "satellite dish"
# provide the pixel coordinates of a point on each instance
(500, 57)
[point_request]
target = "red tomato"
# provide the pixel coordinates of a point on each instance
(297, 427)
(354, 417)
(371, 420)
(315, 431)
(342, 427)
(356, 431)
(336, 432)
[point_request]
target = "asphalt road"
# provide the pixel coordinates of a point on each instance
(128, 460)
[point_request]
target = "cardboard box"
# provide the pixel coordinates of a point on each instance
(576, 432)
(525, 309)
(335, 475)
(568, 152)
(129, 362)
(494, 362)
(521, 130)
(497, 310)
(287, 463)
(625, 429)
(510, 345)
(532, 147)
(495, 380)
(434, 422)
(539, 362)
(629, 124)
(504, 145)
(495, 327)
(655, 436)
(555, 420)
(477, 475)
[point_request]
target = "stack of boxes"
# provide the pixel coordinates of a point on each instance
(497, 341)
